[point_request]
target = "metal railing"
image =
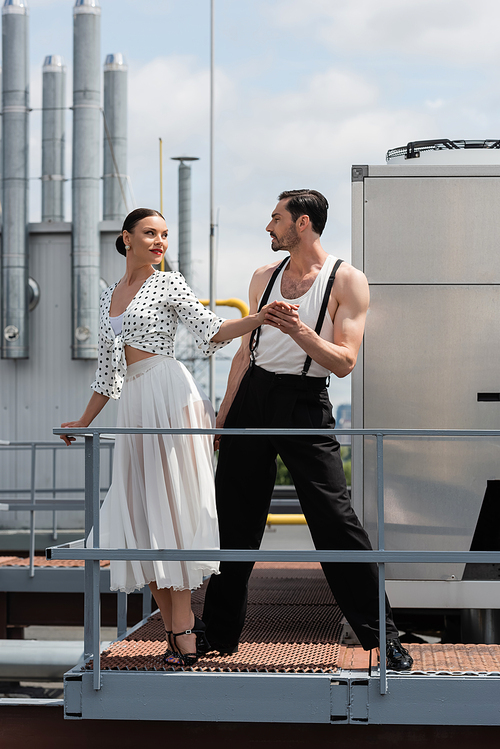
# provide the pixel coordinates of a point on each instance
(380, 556)
(45, 498)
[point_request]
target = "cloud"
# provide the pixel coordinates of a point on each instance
(456, 31)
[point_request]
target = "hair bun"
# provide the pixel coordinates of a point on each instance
(120, 245)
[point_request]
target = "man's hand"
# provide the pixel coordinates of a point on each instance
(283, 316)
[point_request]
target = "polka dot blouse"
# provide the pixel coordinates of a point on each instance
(150, 324)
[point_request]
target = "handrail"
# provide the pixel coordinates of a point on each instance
(381, 556)
(31, 503)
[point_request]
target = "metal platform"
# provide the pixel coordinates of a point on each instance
(291, 668)
(34, 590)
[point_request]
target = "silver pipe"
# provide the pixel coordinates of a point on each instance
(15, 94)
(115, 138)
(185, 265)
(53, 137)
(212, 279)
(86, 174)
(1, 154)
(39, 659)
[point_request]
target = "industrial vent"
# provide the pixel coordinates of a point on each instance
(445, 151)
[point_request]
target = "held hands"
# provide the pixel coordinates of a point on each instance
(71, 424)
(283, 316)
(219, 423)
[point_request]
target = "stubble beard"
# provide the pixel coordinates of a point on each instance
(288, 242)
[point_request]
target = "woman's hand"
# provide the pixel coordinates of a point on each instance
(219, 424)
(71, 424)
(94, 407)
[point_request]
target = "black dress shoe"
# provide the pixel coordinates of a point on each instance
(398, 658)
(219, 648)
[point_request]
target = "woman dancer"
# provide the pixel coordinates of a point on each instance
(162, 493)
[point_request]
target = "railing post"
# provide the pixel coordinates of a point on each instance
(92, 645)
(146, 602)
(32, 512)
(381, 565)
(121, 613)
(54, 494)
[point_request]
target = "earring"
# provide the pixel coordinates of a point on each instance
(127, 247)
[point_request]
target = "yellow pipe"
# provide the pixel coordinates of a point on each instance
(233, 302)
(284, 519)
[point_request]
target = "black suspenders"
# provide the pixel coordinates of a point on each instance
(322, 312)
(254, 339)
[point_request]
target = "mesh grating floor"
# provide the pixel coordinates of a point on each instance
(293, 626)
(456, 659)
(43, 562)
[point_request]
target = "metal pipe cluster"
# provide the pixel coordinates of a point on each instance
(86, 171)
(15, 107)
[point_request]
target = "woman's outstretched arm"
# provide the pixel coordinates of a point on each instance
(94, 407)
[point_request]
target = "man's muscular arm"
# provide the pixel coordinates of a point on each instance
(348, 307)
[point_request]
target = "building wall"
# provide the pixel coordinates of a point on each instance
(39, 393)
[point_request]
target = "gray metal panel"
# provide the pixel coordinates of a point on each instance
(73, 696)
(436, 701)
(51, 387)
(444, 594)
(439, 230)
(428, 170)
(357, 396)
(238, 698)
(48, 580)
(424, 370)
(112, 263)
(412, 699)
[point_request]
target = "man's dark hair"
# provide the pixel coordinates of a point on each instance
(307, 203)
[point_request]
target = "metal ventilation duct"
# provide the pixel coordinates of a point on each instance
(115, 138)
(446, 151)
(86, 152)
(15, 92)
(53, 138)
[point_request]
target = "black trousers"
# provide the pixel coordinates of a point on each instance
(245, 479)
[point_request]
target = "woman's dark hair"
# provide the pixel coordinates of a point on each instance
(307, 203)
(131, 221)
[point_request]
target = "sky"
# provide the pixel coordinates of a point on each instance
(302, 92)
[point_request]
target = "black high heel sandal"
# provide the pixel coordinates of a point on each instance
(202, 644)
(170, 658)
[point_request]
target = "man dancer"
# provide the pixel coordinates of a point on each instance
(278, 378)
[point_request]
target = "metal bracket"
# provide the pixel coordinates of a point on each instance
(359, 172)
(73, 696)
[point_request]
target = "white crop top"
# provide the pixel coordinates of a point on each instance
(279, 353)
(149, 324)
(117, 323)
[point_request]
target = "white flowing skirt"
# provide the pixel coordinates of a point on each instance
(162, 494)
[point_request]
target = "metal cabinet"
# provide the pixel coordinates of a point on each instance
(427, 238)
